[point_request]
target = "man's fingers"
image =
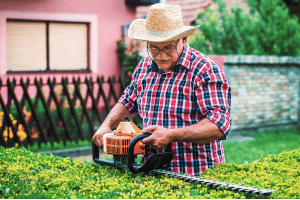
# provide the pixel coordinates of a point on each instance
(142, 146)
(97, 142)
(149, 129)
(98, 136)
(148, 140)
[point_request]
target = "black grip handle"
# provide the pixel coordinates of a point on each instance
(131, 158)
(96, 158)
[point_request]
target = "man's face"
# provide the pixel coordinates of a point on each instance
(166, 54)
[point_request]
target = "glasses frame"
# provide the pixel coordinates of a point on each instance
(163, 49)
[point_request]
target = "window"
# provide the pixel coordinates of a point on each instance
(47, 46)
(142, 2)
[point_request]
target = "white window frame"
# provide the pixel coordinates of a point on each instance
(59, 17)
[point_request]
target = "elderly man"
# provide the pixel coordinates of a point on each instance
(181, 95)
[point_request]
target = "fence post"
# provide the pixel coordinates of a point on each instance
(101, 92)
(40, 96)
(83, 104)
(59, 110)
(34, 114)
(111, 82)
(2, 142)
(20, 113)
(72, 107)
(94, 104)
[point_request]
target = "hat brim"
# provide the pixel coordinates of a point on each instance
(137, 30)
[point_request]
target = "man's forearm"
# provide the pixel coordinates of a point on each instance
(203, 132)
(116, 115)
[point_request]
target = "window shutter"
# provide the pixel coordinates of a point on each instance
(68, 46)
(26, 46)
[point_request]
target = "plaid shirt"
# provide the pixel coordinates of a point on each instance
(195, 89)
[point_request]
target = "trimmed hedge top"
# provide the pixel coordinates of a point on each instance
(26, 175)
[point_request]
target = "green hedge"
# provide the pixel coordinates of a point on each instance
(26, 175)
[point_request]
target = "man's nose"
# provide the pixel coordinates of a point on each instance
(161, 55)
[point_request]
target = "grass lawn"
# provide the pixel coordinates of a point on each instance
(264, 143)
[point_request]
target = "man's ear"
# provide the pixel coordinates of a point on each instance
(184, 40)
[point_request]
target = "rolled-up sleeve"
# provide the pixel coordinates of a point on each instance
(214, 97)
(128, 99)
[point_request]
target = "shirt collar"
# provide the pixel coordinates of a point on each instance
(182, 61)
(155, 68)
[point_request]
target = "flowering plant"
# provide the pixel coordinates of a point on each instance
(8, 133)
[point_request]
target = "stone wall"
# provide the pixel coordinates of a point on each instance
(265, 91)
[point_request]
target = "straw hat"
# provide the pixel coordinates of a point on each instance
(163, 23)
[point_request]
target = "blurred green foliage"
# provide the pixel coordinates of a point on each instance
(294, 6)
(268, 29)
(129, 57)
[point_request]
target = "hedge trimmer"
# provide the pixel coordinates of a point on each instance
(124, 145)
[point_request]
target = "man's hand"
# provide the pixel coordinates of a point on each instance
(159, 138)
(115, 116)
(98, 136)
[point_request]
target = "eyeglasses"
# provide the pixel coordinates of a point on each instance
(167, 49)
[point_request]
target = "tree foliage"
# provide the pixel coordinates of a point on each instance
(268, 29)
(294, 7)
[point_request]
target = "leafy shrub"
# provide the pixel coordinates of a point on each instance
(267, 30)
(129, 57)
(26, 175)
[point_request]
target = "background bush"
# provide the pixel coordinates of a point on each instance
(129, 57)
(26, 175)
(268, 29)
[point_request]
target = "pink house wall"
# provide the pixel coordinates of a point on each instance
(219, 60)
(105, 16)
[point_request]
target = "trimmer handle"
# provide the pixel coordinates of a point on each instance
(131, 157)
(155, 161)
(98, 160)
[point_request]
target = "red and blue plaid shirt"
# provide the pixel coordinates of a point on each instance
(195, 89)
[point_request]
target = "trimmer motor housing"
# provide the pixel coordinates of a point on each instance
(118, 141)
